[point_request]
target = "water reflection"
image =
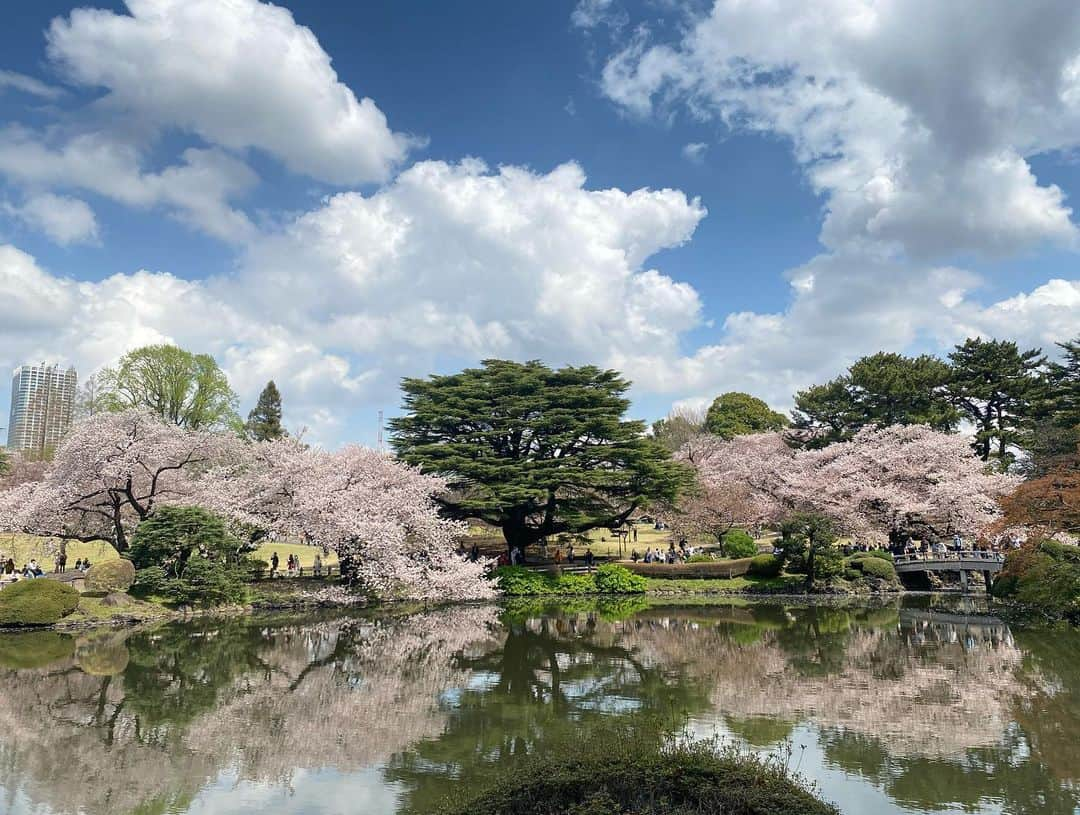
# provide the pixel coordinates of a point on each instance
(910, 709)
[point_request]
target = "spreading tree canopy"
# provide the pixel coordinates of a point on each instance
(880, 390)
(185, 389)
(739, 414)
(264, 421)
(532, 450)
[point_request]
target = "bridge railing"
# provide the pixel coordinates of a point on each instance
(952, 554)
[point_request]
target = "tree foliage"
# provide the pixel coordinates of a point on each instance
(264, 420)
(172, 535)
(878, 391)
(738, 414)
(532, 450)
(677, 428)
(1050, 502)
(185, 389)
(998, 388)
(808, 546)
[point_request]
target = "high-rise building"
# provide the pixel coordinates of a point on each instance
(42, 407)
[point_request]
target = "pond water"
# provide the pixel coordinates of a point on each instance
(912, 707)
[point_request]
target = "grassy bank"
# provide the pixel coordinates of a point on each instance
(721, 585)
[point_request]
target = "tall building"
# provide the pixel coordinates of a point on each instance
(42, 407)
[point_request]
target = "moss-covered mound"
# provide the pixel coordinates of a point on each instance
(633, 780)
(110, 575)
(36, 602)
(872, 564)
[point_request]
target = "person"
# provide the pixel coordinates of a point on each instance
(634, 556)
(570, 553)
(61, 563)
(558, 556)
(318, 565)
(85, 564)
(958, 542)
(274, 562)
(589, 558)
(474, 553)
(78, 565)
(635, 534)
(35, 568)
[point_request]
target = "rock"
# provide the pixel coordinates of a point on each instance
(116, 598)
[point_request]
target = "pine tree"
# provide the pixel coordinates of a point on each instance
(264, 421)
(1000, 390)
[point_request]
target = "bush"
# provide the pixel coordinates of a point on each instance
(172, 535)
(881, 554)
(614, 579)
(1045, 578)
(876, 567)
(110, 575)
(517, 581)
(636, 776)
(37, 602)
(766, 566)
(204, 582)
(738, 543)
(701, 557)
(700, 570)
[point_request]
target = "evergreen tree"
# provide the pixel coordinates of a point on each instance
(1000, 390)
(878, 391)
(740, 414)
(534, 451)
(264, 421)
(1064, 379)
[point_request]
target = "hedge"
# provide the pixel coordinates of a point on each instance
(766, 566)
(738, 543)
(610, 578)
(38, 601)
(717, 568)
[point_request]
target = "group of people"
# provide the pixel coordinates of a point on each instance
(673, 555)
(9, 573)
(292, 566)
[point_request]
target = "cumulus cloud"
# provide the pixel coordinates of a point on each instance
(64, 219)
(914, 121)
(449, 263)
(239, 73)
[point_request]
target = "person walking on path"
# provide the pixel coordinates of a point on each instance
(274, 562)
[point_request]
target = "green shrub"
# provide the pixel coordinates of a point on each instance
(876, 567)
(738, 543)
(766, 566)
(172, 535)
(110, 575)
(637, 776)
(700, 557)
(204, 582)
(1045, 578)
(612, 578)
(37, 602)
(882, 554)
(700, 570)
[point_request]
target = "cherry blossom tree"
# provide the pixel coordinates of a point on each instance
(378, 514)
(882, 482)
(109, 474)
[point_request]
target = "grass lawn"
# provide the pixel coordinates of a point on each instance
(21, 548)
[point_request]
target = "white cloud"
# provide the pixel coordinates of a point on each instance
(915, 122)
(27, 84)
(588, 14)
(64, 219)
(448, 264)
(196, 191)
(695, 151)
(239, 73)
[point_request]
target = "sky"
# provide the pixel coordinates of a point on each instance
(704, 196)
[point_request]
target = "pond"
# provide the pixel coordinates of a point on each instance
(920, 706)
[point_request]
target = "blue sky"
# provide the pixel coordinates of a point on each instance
(811, 189)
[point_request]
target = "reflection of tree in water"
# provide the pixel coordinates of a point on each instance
(193, 701)
(548, 679)
(931, 711)
(1006, 774)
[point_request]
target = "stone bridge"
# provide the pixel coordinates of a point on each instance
(964, 562)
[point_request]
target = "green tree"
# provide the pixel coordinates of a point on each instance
(5, 462)
(740, 414)
(677, 428)
(264, 421)
(186, 389)
(879, 390)
(808, 544)
(172, 535)
(1000, 390)
(1058, 433)
(534, 451)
